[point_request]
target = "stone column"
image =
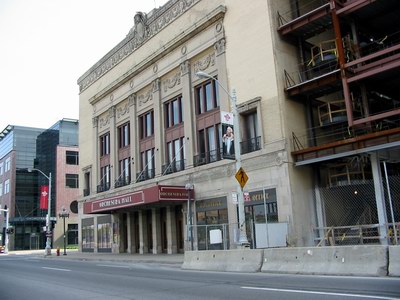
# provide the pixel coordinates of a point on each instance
(95, 178)
(143, 245)
(113, 147)
(188, 113)
(220, 61)
(130, 230)
(95, 235)
(156, 230)
(134, 133)
(158, 126)
(171, 230)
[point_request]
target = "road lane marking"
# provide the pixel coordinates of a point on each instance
(111, 266)
(319, 293)
(56, 269)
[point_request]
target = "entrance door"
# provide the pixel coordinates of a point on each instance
(179, 228)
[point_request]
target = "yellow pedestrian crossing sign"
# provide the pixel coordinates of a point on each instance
(241, 177)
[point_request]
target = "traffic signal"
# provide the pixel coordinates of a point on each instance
(10, 230)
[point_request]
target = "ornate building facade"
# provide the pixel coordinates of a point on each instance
(154, 174)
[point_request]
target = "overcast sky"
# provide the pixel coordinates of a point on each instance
(46, 45)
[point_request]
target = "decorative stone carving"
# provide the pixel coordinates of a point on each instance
(171, 82)
(143, 98)
(185, 67)
(204, 63)
(122, 110)
(95, 121)
(132, 99)
(111, 112)
(155, 68)
(183, 50)
(104, 120)
(156, 85)
(220, 47)
(145, 27)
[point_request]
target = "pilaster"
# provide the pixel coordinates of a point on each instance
(158, 126)
(171, 230)
(156, 230)
(143, 244)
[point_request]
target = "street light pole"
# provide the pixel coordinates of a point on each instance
(64, 214)
(48, 227)
(236, 141)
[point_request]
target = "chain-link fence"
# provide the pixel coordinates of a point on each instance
(350, 214)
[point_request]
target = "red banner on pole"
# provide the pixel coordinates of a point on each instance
(44, 197)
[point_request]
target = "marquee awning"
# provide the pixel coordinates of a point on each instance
(155, 194)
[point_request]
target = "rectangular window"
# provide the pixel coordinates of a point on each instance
(1, 168)
(7, 186)
(173, 112)
(148, 163)
(72, 234)
(8, 164)
(123, 135)
(124, 171)
(105, 144)
(72, 181)
(104, 236)
(105, 173)
(88, 237)
(1, 189)
(206, 97)
(72, 158)
(146, 123)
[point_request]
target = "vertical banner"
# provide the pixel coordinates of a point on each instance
(44, 197)
(228, 145)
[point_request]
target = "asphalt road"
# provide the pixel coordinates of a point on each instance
(32, 277)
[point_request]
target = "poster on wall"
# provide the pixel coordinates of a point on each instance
(228, 135)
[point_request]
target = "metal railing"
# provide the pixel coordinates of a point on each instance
(146, 174)
(103, 187)
(123, 181)
(175, 166)
(250, 145)
(207, 157)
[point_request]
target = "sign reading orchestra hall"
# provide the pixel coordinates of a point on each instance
(146, 196)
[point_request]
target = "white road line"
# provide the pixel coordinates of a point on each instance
(56, 269)
(111, 266)
(320, 293)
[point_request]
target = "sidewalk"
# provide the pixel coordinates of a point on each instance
(174, 259)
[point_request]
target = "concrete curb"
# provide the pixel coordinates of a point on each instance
(394, 260)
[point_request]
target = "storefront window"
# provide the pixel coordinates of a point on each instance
(87, 237)
(103, 237)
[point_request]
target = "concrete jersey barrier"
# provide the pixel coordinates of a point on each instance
(394, 260)
(343, 260)
(245, 260)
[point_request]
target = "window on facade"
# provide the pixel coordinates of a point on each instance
(146, 124)
(72, 158)
(6, 186)
(176, 155)
(105, 144)
(1, 168)
(148, 163)
(173, 112)
(88, 237)
(124, 170)
(72, 180)
(206, 97)
(104, 235)
(251, 141)
(1, 189)
(105, 173)
(123, 135)
(72, 234)
(8, 164)
(210, 142)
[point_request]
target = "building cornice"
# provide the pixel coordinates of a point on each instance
(146, 26)
(179, 40)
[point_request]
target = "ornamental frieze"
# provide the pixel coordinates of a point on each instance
(171, 82)
(122, 110)
(204, 63)
(145, 27)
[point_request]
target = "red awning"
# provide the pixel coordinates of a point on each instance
(155, 194)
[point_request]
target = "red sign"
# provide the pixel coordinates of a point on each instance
(44, 197)
(149, 195)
